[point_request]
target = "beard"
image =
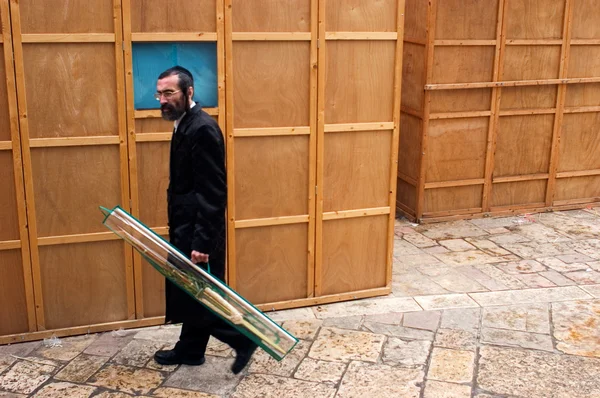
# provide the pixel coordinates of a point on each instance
(174, 111)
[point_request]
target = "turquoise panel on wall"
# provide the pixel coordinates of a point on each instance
(150, 59)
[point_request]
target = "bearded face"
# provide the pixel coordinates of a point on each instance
(173, 102)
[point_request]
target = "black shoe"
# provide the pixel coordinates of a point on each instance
(172, 357)
(242, 357)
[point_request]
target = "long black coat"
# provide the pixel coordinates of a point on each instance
(197, 198)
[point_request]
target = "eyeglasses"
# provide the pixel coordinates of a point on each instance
(167, 94)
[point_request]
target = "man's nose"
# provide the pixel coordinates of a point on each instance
(163, 100)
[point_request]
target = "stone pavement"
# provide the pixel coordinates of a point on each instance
(502, 307)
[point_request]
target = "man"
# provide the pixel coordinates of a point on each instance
(196, 197)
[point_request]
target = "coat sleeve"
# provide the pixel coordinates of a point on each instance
(210, 187)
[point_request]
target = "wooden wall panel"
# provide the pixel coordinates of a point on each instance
(13, 312)
(361, 16)
(66, 16)
(272, 16)
(173, 16)
(407, 195)
(470, 19)
(586, 20)
(579, 189)
(580, 142)
(454, 198)
(460, 100)
(9, 219)
(528, 97)
(415, 22)
(583, 95)
(531, 62)
(354, 256)
(153, 175)
(519, 194)
(541, 19)
(414, 62)
(410, 146)
(153, 291)
(462, 64)
(584, 61)
(4, 115)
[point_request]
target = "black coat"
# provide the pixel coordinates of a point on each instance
(197, 197)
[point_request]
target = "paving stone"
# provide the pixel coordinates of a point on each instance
(508, 239)
(81, 368)
(493, 223)
(437, 269)
(595, 265)
(320, 371)
(427, 320)
(445, 301)
(487, 246)
(436, 250)
(577, 327)
(166, 333)
(406, 353)
(217, 348)
(516, 338)
(575, 258)
(590, 247)
(545, 295)
(108, 344)
(560, 266)
(463, 319)
(457, 283)
(63, 389)
(412, 260)
(264, 363)
(367, 307)
(18, 349)
(71, 347)
(539, 233)
(521, 267)
(537, 374)
(127, 379)
(526, 318)
(345, 345)
(167, 392)
(451, 365)
(579, 228)
(163, 368)
(304, 330)
(267, 386)
(594, 290)
(290, 315)
(365, 380)
(456, 339)
(345, 322)
(5, 394)
(535, 280)
(451, 230)
(214, 377)
(456, 245)
(584, 277)
(137, 352)
(398, 331)
(537, 249)
(500, 230)
(482, 278)
(415, 285)
(419, 240)
(24, 377)
(440, 389)
(109, 394)
(404, 248)
(392, 318)
(470, 257)
(557, 278)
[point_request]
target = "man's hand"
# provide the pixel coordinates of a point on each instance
(198, 257)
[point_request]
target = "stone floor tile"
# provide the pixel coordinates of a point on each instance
(594, 290)
(404, 248)
(345, 345)
(440, 389)
(163, 368)
(560, 266)
(456, 339)
(595, 265)
(537, 374)
(137, 352)
(446, 301)
(345, 322)
(533, 318)
(419, 240)
(451, 230)
(81, 368)
(515, 338)
(71, 347)
(464, 319)
(575, 258)
(24, 377)
(584, 277)
(214, 377)
(264, 363)
(367, 307)
(165, 333)
(438, 269)
(491, 223)
(365, 380)
(110, 394)
(470, 257)
(487, 246)
(412, 260)
(398, 331)
(456, 245)
(290, 315)
(580, 228)
(320, 371)
(267, 386)
(108, 344)
(392, 318)
(508, 239)
(521, 267)
(168, 392)
(436, 250)
(218, 348)
(539, 233)
(455, 282)
(535, 280)
(6, 394)
(451, 365)
(537, 249)
(127, 379)
(415, 284)
(545, 295)
(482, 278)
(557, 278)
(19, 349)
(304, 330)
(590, 247)
(427, 320)
(496, 231)
(577, 327)
(63, 389)
(406, 353)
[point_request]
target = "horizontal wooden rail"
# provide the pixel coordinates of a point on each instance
(449, 213)
(162, 231)
(520, 209)
(270, 36)
(10, 245)
(459, 115)
(153, 137)
(349, 127)
(361, 35)
(336, 215)
(457, 183)
(73, 141)
(169, 36)
(582, 201)
(5, 145)
(155, 113)
(68, 38)
(524, 177)
(465, 42)
(270, 221)
(526, 112)
(405, 209)
(508, 83)
(407, 179)
(271, 131)
(585, 42)
(79, 238)
(582, 173)
(534, 42)
(582, 109)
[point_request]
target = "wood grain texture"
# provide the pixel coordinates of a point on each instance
(461, 100)
(518, 193)
(583, 95)
(8, 204)
(173, 16)
(409, 148)
(415, 20)
(580, 143)
(531, 62)
(531, 97)
(13, 314)
(538, 19)
(578, 188)
(271, 16)
(153, 181)
(462, 64)
(407, 195)
(361, 16)
(413, 81)
(466, 19)
(66, 16)
(584, 61)
(454, 198)
(586, 20)
(153, 291)
(4, 116)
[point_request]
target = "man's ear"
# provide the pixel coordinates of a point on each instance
(190, 92)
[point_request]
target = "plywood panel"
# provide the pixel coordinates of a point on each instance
(13, 311)
(83, 283)
(271, 263)
(9, 221)
(584, 61)
(66, 16)
(153, 125)
(271, 176)
(577, 188)
(71, 89)
(361, 16)
(271, 16)
(415, 19)
(69, 185)
(153, 181)
(531, 62)
(454, 198)
(354, 254)
(413, 78)
(4, 117)
(173, 16)
(523, 145)
(540, 19)
(359, 82)
(411, 129)
(356, 170)
(271, 84)
(529, 97)
(583, 95)
(470, 19)
(461, 100)
(407, 195)
(586, 20)
(153, 290)
(463, 64)
(519, 193)
(456, 149)
(580, 142)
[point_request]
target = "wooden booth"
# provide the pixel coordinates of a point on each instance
(500, 107)
(307, 93)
